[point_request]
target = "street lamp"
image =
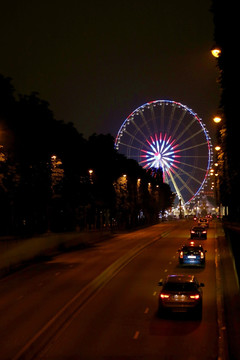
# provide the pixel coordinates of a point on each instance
(216, 52)
(217, 148)
(90, 171)
(217, 119)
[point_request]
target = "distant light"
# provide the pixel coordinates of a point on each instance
(217, 148)
(216, 52)
(217, 119)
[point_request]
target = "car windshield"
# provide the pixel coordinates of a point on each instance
(180, 286)
(192, 250)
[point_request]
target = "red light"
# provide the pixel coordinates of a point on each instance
(164, 296)
(181, 255)
(192, 232)
(204, 232)
(195, 297)
(192, 243)
(202, 255)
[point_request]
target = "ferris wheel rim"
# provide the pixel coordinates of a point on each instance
(195, 117)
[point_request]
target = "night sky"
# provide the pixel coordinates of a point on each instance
(97, 61)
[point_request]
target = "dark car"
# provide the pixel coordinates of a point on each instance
(203, 222)
(198, 232)
(180, 293)
(192, 254)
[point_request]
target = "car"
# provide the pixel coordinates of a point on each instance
(198, 232)
(192, 254)
(180, 293)
(203, 222)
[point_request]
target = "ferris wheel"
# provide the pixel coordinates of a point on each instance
(168, 135)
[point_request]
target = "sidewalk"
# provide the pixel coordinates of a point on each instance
(16, 252)
(231, 293)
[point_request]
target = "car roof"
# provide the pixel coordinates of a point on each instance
(179, 278)
(190, 247)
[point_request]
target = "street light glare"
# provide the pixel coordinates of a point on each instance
(217, 119)
(216, 52)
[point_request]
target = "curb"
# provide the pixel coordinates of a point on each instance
(222, 335)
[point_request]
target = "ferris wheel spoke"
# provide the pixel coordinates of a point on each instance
(134, 138)
(185, 185)
(195, 156)
(153, 118)
(138, 128)
(176, 187)
(191, 147)
(130, 146)
(171, 118)
(185, 129)
(145, 122)
(187, 173)
(178, 123)
(162, 116)
(191, 137)
(190, 165)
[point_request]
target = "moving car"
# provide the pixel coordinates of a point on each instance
(180, 293)
(203, 222)
(198, 232)
(192, 254)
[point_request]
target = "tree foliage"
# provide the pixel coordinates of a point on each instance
(45, 177)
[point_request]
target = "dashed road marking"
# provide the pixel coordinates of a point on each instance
(136, 335)
(146, 310)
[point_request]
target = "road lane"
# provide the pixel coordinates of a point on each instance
(121, 321)
(30, 298)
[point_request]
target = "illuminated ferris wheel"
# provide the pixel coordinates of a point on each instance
(168, 135)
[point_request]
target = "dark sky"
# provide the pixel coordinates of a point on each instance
(96, 61)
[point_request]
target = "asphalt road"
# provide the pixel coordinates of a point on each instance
(118, 318)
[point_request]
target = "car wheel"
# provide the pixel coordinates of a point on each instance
(198, 312)
(161, 312)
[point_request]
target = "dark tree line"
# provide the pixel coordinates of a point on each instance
(226, 29)
(51, 178)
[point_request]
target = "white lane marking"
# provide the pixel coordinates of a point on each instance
(165, 270)
(57, 273)
(136, 335)
(155, 293)
(146, 310)
(170, 262)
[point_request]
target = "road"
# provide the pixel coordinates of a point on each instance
(117, 319)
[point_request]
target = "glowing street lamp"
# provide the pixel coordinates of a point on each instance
(216, 52)
(217, 148)
(217, 119)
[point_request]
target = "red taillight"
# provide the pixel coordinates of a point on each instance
(164, 296)
(181, 255)
(202, 255)
(192, 232)
(195, 297)
(204, 232)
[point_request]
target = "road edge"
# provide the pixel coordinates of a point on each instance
(222, 335)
